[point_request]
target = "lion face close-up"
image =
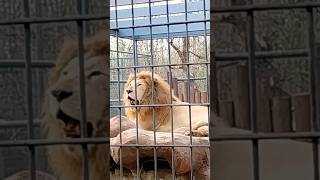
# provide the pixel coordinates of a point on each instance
(64, 97)
(62, 109)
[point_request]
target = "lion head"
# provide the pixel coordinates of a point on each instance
(62, 106)
(64, 96)
(146, 89)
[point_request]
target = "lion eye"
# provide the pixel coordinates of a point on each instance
(95, 73)
(139, 84)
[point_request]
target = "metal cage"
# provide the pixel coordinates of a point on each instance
(251, 56)
(149, 20)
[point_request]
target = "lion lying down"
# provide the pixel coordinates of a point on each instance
(138, 91)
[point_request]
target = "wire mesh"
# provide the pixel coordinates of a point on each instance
(31, 143)
(251, 56)
(134, 30)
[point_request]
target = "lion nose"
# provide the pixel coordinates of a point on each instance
(129, 91)
(61, 94)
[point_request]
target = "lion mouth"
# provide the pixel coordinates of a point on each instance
(72, 125)
(133, 101)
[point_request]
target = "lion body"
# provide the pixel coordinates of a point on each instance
(66, 160)
(164, 116)
(181, 114)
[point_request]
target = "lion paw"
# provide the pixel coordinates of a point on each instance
(202, 131)
(187, 133)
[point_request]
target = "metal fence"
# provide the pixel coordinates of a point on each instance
(28, 64)
(252, 57)
(150, 21)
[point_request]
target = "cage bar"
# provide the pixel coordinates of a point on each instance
(83, 107)
(252, 92)
(313, 120)
(119, 86)
(218, 57)
(135, 62)
(152, 95)
(28, 73)
(170, 83)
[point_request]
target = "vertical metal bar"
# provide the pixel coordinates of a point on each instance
(136, 105)
(2, 164)
(28, 73)
(108, 86)
(211, 92)
(152, 95)
(206, 48)
(170, 93)
(189, 84)
(313, 107)
(135, 84)
(83, 118)
(252, 91)
(120, 123)
(119, 87)
(315, 150)
(207, 72)
(311, 59)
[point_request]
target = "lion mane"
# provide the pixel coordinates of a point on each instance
(162, 111)
(66, 160)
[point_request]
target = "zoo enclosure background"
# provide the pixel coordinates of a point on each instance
(46, 41)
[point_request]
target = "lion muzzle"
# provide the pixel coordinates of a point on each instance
(133, 101)
(72, 125)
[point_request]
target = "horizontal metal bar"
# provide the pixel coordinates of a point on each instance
(174, 18)
(157, 10)
(20, 63)
(161, 24)
(163, 35)
(43, 142)
(262, 54)
(265, 7)
(50, 62)
(266, 136)
(160, 65)
(114, 3)
(163, 105)
(182, 79)
(258, 136)
(160, 32)
(124, 52)
(219, 57)
(17, 123)
(158, 145)
(41, 20)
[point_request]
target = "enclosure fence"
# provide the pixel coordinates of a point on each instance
(252, 57)
(158, 20)
(28, 64)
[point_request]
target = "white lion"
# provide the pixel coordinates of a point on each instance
(162, 113)
(62, 112)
